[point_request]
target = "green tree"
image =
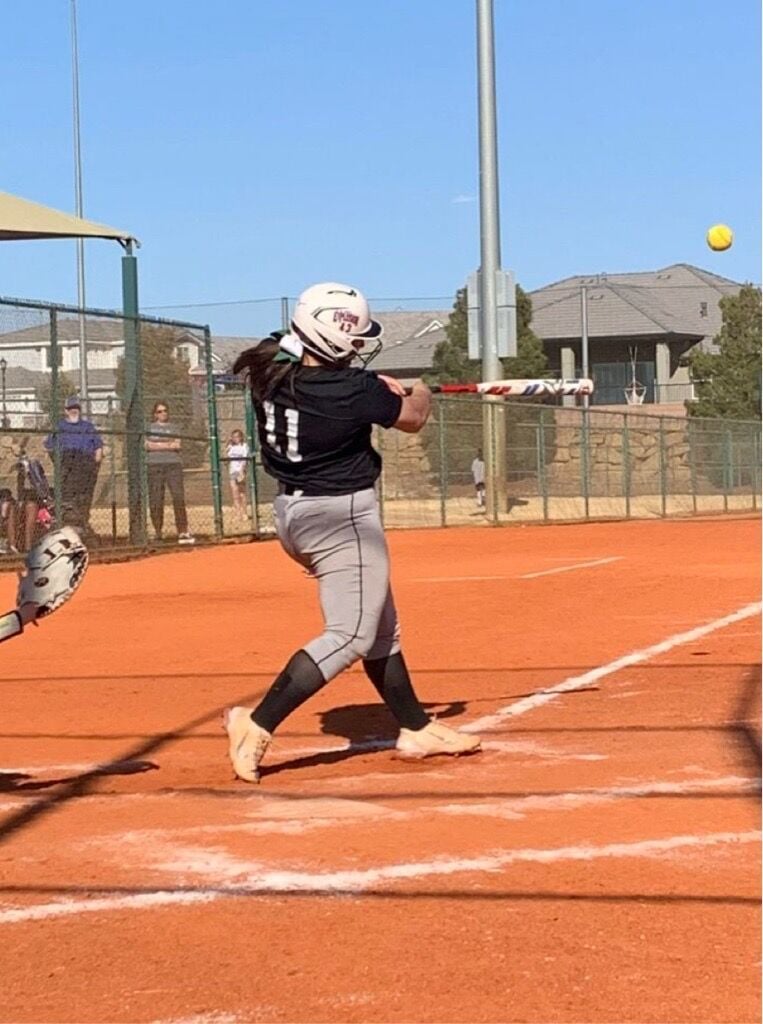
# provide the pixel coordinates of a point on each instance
(451, 362)
(52, 406)
(461, 418)
(727, 382)
(166, 379)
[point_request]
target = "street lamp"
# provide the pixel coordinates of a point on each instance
(3, 368)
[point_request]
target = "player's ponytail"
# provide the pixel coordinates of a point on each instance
(264, 373)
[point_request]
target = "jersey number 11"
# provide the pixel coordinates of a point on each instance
(284, 437)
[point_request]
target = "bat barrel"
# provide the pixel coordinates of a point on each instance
(517, 388)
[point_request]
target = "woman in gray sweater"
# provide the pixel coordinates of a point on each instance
(165, 469)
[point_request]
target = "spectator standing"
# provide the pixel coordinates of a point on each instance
(81, 448)
(237, 454)
(8, 523)
(478, 475)
(32, 495)
(165, 469)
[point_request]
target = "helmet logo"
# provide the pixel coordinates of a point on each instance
(346, 320)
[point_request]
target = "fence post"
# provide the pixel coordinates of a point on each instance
(136, 462)
(214, 439)
(54, 407)
(663, 471)
(251, 440)
(112, 470)
(380, 434)
(755, 468)
(626, 466)
(540, 440)
(584, 459)
(726, 466)
(443, 456)
(692, 466)
(498, 472)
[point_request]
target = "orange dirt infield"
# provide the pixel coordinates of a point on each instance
(598, 861)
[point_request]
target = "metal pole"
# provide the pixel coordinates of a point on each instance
(440, 406)
(541, 447)
(134, 417)
(214, 436)
(54, 413)
(83, 382)
(3, 368)
(584, 336)
(663, 470)
(626, 467)
(726, 467)
(584, 462)
(251, 439)
(490, 242)
(113, 471)
(381, 490)
(285, 315)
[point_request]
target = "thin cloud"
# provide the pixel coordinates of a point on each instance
(462, 198)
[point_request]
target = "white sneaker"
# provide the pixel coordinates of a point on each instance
(435, 738)
(247, 743)
(186, 538)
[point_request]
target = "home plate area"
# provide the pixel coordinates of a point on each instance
(439, 827)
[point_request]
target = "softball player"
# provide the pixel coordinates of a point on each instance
(314, 416)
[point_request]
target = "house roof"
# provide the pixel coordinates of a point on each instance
(98, 331)
(20, 378)
(678, 299)
(411, 354)
(225, 349)
(402, 325)
(408, 338)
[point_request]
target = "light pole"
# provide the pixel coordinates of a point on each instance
(494, 447)
(3, 368)
(83, 381)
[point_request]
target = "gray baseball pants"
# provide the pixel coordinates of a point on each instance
(340, 540)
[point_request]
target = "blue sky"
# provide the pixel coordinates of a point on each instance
(255, 146)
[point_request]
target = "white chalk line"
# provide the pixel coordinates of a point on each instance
(214, 1017)
(288, 817)
(488, 722)
(459, 579)
(266, 880)
(518, 807)
(513, 576)
(520, 707)
(571, 568)
(328, 882)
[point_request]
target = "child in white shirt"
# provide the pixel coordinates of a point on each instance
(237, 454)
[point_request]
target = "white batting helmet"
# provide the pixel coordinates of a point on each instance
(333, 322)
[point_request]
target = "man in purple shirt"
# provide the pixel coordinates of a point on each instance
(81, 451)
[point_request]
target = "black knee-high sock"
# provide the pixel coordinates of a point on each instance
(391, 679)
(298, 681)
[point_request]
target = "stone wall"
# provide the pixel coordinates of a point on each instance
(408, 471)
(608, 446)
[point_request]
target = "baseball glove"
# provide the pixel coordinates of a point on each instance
(55, 567)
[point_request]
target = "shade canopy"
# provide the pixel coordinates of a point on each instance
(22, 219)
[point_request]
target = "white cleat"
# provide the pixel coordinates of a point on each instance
(434, 739)
(247, 743)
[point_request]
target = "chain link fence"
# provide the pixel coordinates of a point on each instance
(543, 462)
(552, 463)
(93, 467)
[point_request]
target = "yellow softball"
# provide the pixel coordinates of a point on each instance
(720, 237)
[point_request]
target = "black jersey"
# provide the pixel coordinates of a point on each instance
(315, 430)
